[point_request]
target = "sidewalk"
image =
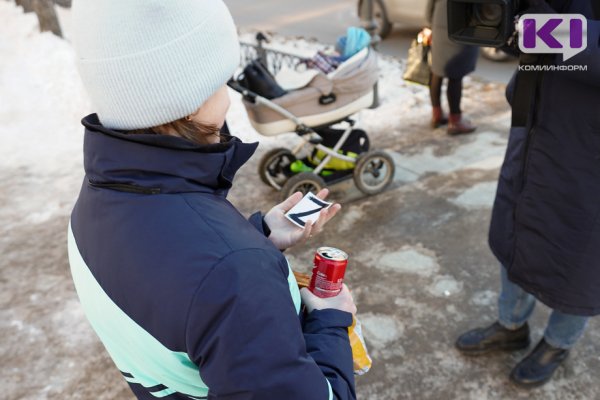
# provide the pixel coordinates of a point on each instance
(420, 268)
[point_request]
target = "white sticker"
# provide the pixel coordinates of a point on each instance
(307, 209)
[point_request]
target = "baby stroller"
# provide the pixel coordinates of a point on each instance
(331, 148)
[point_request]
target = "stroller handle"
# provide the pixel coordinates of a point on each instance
(247, 94)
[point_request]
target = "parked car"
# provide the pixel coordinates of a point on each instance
(411, 13)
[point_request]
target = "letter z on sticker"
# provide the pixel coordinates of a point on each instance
(307, 209)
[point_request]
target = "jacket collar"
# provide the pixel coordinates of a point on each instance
(163, 163)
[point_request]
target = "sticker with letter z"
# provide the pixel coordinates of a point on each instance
(307, 209)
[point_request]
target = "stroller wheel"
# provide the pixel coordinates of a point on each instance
(274, 168)
(374, 171)
(303, 182)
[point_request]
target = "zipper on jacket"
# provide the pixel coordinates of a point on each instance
(125, 187)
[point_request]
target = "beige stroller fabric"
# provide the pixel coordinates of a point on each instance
(351, 84)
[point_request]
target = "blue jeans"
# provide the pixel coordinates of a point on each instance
(515, 306)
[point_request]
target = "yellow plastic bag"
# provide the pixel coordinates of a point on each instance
(335, 163)
(360, 355)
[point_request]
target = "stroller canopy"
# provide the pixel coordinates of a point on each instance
(325, 100)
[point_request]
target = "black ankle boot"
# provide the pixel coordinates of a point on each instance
(539, 366)
(494, 337)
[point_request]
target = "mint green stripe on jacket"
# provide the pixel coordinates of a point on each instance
(294, 291)
(133, 350)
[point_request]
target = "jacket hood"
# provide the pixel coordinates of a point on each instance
(160, 163)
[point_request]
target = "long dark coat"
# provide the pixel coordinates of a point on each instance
(545, 225)
(448, 58)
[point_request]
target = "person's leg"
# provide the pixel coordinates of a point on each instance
(435, 93)
(511, 331)
(435, 90)
(457, 125)
(562, 332)
(454, 94)
(515, 305)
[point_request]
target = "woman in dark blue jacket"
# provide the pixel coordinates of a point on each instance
(545, 228)
(190, 299)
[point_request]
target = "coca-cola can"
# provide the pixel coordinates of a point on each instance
(328, 272)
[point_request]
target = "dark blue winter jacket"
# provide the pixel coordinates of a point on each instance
(189, 298)
(546, 219)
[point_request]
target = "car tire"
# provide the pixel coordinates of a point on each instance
(384, 26)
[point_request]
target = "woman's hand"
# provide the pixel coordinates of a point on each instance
(342, 301)
(425, 36)
(285, 234)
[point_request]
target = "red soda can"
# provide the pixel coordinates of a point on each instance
(328, 272)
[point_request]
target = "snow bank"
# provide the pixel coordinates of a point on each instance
(42, 102)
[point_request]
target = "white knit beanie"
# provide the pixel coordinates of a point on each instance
(148, 62)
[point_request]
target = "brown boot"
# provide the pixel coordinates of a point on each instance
(457, 125)
(438, 118)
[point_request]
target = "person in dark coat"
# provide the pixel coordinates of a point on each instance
(190, 299)
(448, 60)
(545, 227)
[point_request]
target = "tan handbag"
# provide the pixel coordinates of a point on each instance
(417, 64)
